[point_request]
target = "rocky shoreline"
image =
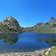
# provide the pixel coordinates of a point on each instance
(20, 54)
(35, 53)
(43, 52)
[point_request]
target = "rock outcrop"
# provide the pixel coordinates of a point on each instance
(10, 24)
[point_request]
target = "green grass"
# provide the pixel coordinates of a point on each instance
(51, 53)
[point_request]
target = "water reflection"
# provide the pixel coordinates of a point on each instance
(48, 38)
(23, 42)
(9, 38)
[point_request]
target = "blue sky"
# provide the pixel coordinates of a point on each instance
(28, 12)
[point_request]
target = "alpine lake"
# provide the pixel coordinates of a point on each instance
(16, 42)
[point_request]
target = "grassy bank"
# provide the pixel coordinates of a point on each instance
(50, 52)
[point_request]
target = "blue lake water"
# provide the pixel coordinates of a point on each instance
(26, 42)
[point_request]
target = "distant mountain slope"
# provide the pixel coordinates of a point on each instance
(48, 27)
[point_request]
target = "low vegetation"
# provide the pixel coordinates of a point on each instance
(50, 52)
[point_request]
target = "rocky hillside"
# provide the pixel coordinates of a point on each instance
(48, 27)
(10, 24)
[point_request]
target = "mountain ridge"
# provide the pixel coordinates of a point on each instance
(10, 24)
(48, 27)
